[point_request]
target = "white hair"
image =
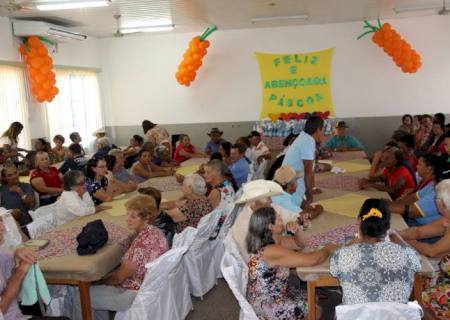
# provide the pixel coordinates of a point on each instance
(115, 152)
(104, 142)
(197, 183)
(443, 192)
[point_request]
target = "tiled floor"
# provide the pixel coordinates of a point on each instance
(220, 304)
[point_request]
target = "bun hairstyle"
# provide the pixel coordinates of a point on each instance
(375, 218)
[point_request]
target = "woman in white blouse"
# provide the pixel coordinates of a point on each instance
(75, 201)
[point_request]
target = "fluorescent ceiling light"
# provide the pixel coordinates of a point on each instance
(160, 28)
(417, 8)
(64, 5)
(263, 19)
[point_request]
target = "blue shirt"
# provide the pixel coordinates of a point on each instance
(240, 170)
(123, 175)
(12, 200)
(213, 147)
(303, 148)
(348, 141)
(427, 206)
(287, 201)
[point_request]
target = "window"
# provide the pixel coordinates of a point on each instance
(13, 101)
(77, 107)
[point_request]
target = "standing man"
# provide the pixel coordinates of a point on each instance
(301, 155)
(240, 167)
(213, 145)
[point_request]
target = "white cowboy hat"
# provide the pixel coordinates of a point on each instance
(101, 130)
(258, 189)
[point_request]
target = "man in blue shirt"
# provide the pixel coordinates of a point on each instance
(342, 141)
(240, 167)
(301, 155)
(213, 145)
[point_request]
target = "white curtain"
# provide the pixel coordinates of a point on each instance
(13, 101)
(77, 107)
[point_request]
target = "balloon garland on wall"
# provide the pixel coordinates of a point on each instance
(41, 77)
(192, 58)
(404, 56)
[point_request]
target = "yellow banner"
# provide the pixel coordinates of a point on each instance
(295, 83)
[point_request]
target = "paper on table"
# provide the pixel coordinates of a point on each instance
(346, 205)
(118, 207)
(185, 171)
(24, 179)
(349, 166)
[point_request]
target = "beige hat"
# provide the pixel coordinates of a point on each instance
(285, 174)
(101, 130)
(258, 189)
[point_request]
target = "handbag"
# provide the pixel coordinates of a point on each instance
(93, 237)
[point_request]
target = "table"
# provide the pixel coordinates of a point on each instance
(319, 276)
(82, 270)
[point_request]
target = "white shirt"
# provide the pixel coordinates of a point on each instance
(7, 141)
(70, 205)
(240, 227)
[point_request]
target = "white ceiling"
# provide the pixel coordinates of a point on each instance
(196, 15)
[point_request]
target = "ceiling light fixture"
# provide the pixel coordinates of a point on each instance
(277, 18)
(160, 28)
(64, 5)
(416, 8)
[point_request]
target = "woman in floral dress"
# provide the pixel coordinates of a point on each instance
(271, 257)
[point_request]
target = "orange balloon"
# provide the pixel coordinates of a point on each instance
(37, 62)
(34, 42)
(32, 53)
(202, 52)
(204, 44)
(195, 40)
(54, 91)
(33, 72)
(45, 70)
(47, 85)
(386, 26)
(48, 61)
(42, 51)
(39, 78)
(51, 76)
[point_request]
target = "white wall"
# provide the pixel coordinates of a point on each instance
(139, 73)
(78, 54)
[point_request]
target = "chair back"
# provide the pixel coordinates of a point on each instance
(380, 310)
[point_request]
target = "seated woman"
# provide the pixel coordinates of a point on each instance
(221, 183)
(225, 150)
(59, 150)
(100, 182)
(407, 144)
(144, 169)
(372, 269)
(435, 298)
(40, 145)
(185, 150)
(117, 290)
(395, 177)
(114, 162)
(436, 141)
(46, 180)
(272, 255)
(163, 157)
(193, 207)
(407, 125)
(75, 201)
(16, 195)
(135, 146)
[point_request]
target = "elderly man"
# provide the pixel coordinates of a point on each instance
(343, 141)
(103, 147)
(214, 143)
(240, 167)
(257, 194)
(98, 134)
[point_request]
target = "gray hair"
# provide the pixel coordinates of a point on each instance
(71, 179)
(197, 183)
(443, 192)
(114, 152)
(259, 234)
(104, 142)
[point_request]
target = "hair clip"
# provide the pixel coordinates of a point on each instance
(374, 212)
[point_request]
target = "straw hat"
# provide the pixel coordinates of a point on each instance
(258, 189)
(285, 174)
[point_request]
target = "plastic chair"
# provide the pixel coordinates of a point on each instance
(164, 294)
(380, 311)
(235, 272)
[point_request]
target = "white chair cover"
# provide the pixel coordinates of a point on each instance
(44, 219)
(198, 261)
(164, 294)
(380, 311)
(235, 272)
(12, 236)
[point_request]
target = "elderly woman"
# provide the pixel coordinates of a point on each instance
(118, 289)
(103, 147)
(185, 150)
(221, 182)
(59, 150)
(272, 255)
(144, 169)
(100, 182)
(435, 298)
(124, 179)
(46, 180)
(75, 201)
(372, 269)
(16, 195)
(163, 157)
(188, 212)
(395, 177)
